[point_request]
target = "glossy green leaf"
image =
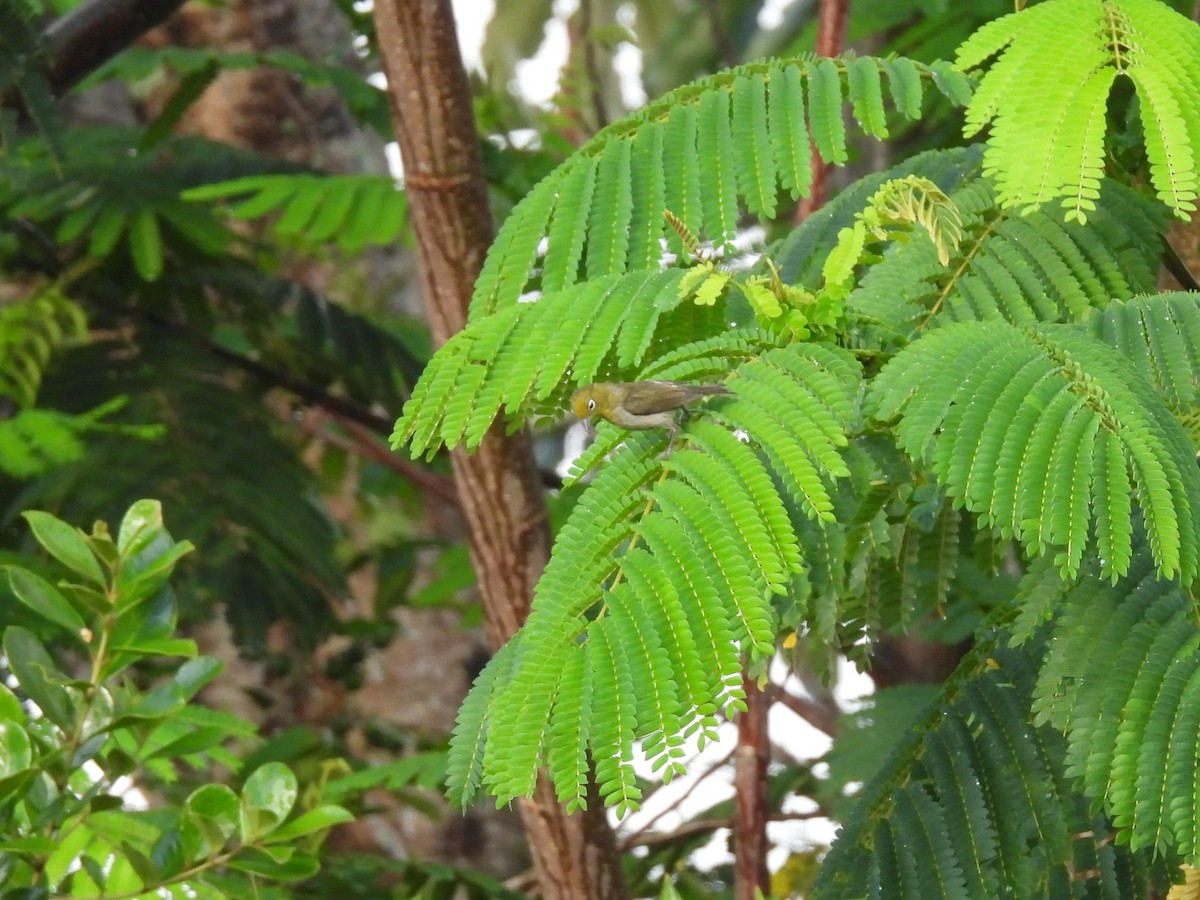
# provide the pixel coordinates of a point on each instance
(140, 581)
(297, 867)
(44, 599)
(66, 544)
(315, 819)
(159, 647)
(215, 811)
(267, 798)
(141, 524)
(16, 752)
(195, 673)
(10, 706)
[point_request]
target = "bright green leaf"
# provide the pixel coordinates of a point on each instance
(316, 819)
(140, 526)
(267, 797)
(10, 706)
(299, 867)
(15, 751)
(66, 544)
(145, 244)
(44, 599)
(216, 812)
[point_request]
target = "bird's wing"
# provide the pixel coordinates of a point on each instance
(646, 397)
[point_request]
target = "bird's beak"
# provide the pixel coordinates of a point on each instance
(590, 427)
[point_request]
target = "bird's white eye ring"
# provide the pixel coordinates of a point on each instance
(591, 405)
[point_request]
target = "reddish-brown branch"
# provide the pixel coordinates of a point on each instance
(500, 494)
(820, 716)
(831, 32)
(753, 752)
(361, 442)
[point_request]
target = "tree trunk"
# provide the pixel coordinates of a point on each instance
(750, 762)
(574, 856)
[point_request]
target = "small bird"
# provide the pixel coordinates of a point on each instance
(639, 404)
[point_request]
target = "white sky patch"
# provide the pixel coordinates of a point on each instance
(471, 18)
(537, 77)
(627, 61)
(771, 14)
(391, 151)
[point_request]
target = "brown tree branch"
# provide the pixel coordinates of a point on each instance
(94, 32)
(818, 715)
(750, 875)
(590, 61)
(574, 855)
(313, 394)
(365, 444)
(704, 826)
(1175, 265)
(363, 424)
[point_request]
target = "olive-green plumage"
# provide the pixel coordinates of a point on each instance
(639, 404)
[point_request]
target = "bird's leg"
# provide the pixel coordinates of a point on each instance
(670, 442)
(672, 430)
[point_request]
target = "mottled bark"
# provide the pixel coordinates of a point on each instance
(500, 493)
(750, 812)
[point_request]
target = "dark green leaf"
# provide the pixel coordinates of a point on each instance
(145, 869)
(191, 86)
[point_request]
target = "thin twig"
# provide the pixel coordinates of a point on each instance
(358, 441)
(362, 424)
(700, 826)
(591, 63)
(819, 715)
(631, 839)
(305, 390)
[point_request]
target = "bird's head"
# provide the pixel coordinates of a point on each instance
(595, 400)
